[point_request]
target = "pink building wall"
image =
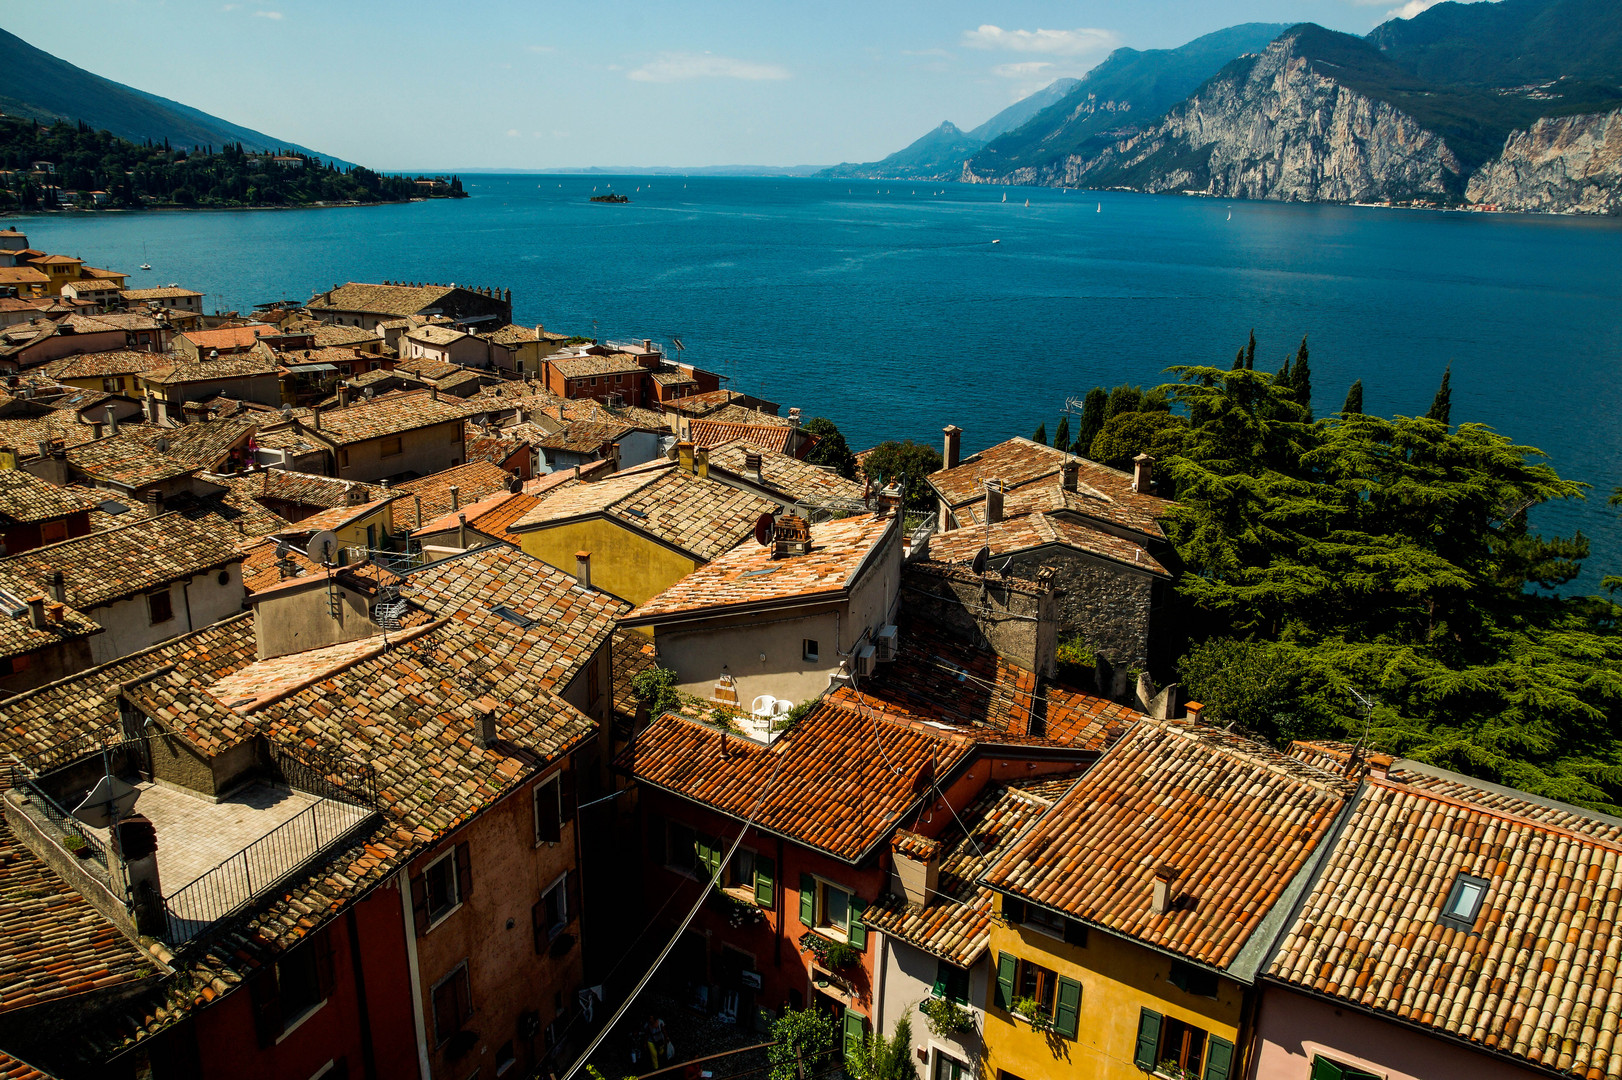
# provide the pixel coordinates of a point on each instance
(1292, 1028)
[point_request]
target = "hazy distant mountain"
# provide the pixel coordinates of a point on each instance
(36, 85)
(1130, 87)
(1515, 104)
(937, 156)
(1022, 110)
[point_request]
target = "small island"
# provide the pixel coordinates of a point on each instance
(611, 198)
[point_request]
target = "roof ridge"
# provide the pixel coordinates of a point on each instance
(1397, 786)
(93, 535)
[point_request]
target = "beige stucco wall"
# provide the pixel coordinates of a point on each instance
(301, 619)
(128, 623)
(423, 451)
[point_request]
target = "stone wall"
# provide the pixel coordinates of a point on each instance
(1110, 608)
(1016, 619)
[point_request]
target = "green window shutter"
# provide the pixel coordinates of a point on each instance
(857, 932)
(1218, 1059)
(808, 900)
(1324, 1069)
(1006, 964)
(855, 1029)
(1148, 1040)
(1067, 1013)
(765, 886)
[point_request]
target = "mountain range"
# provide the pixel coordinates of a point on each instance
(38, 86)
(1515, 105)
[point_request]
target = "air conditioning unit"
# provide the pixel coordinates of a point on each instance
(864, 661)
(886, 642)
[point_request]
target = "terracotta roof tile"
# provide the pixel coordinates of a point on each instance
(1031, 531)
(103, 567)
(100, 365)
(787, 474)
(1236, 820)
(768, 436)
(490, 515)
(391, 415)
(474, 480)
(25, 497)
(261, 569)
(18, 634)
(129, 459)
(396, 300)
(229, 337)
(580, 367)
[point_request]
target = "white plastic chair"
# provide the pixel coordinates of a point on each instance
(782, 707)
(764, 705)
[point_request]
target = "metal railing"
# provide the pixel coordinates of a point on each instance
(67, 826)
(327, 775)
(258, 868)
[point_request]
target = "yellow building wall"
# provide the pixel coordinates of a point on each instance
(630, 566)
(1118, 979)
(354, 534)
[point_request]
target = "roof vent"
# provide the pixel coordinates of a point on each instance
(1164, 900)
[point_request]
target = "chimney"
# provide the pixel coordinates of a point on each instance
(343, 395)
(791, 535)
(461, 531)
(1164, 899)
(917, 863)
(582, 568)
(433, 392)
(751, 466)
(1072, 470)
(112, 422)
(59, 587)
(36, 612)
(891, 499)
(1192, 711)
(315, 419)
(456, 497)
(487, 724)
(1143, 473)
(993, 501)
(954, 445)
(95, 429)
(701, 461)
(647, 344)
(684, 455)
(154, 503)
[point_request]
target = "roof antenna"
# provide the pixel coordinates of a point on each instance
(1368, 721)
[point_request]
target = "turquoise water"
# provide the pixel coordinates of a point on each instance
(887, 306)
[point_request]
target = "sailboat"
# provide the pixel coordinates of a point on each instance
(1027, 204)
(1230, 213)
(1005, 196)
(1100, 208)
(144, 264)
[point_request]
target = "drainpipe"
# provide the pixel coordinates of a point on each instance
(409, 922)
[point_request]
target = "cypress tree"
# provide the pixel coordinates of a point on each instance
(1092, 419)
(1284, 378)
(1041, 435)
(1061, 437)
(1354, 399)
(1301, 379)
(1250, 353)
(1239, 359)
(1442, 404)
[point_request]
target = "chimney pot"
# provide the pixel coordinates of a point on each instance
(751, 465)
(1072, 471)
(994, 497)
(456, 497)
(59, 587)
(954, 445)
(487, 727)
(112, 421)
(701, 461)
(154, 503)
(1143, 473)
(582, 568)
(36, 612)
(684, 455)
(1192, 710)
(1163, 899)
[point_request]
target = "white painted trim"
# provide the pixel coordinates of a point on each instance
(403, 882)
(303, 1016)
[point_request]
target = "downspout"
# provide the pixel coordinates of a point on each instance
(367, 1056)
(410, 924)
(880, 959)
(782, 906)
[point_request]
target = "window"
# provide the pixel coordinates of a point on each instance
(1165, 1042)
(681, 848)
(391, 446)
(112, 385)
(506, 1058)
(52, 531)
(947, 1067)
(809, 649)
(1193, 980)
(1325, 1069)
(951, 982)
(283, 994)
(554, 907)
(453, 1004)
(442, 887)
(548, 812)
(160, 607)
(1048, 922)
(832, 911)
(751, 877)
(1464, 902)
(1038, 993)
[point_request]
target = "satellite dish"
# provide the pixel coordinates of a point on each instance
(980, 559)
(763, 530)
(110, 796)
(282, 548)
(323, 547)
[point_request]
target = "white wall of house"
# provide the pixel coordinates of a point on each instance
(196, 601)
(909, 976)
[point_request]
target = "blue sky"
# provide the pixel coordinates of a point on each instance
(561, 83)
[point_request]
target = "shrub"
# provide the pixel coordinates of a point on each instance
(946, 1018)
(657, 687)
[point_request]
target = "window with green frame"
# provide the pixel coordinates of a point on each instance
(1326, 1069)
(951, 982)
(832, 911)
(1057, 998)
(1166, 1040)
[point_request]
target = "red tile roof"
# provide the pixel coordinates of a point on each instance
(473, 481)
(490, 515)
(229, 337)
(25, 497)
(772, 437)
(103, 567)
(1032, 531)
(1236, 820)
(838, 781)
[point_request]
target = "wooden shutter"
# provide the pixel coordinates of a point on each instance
(1007, 964)
(419, 902)
(808, 900)
(1067, 1010)
(856, 933)
(765, 886)
(567, 792)
(1218, 1059)
(464, 873)
(548, 817)
(267, 1005)
(1148, 1040)
(1324, 1069)
(855, 1029)
(708, 856)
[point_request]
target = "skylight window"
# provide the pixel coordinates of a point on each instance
(505, 612)
(1464, 902)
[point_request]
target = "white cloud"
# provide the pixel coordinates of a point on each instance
(512, 133)
(268, 15)
(678, 67)
(1054, 42)
(230, 7)
(1407, 10)
(1024, 70)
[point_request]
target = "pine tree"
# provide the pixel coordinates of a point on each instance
(1250, 353)
(1354, 399)
(1061, 437)
(1123, 399)
(1442, 404)
(1092, 418)
(1301, 379)
(1041, 435)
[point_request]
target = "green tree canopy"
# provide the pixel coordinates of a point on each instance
(909, 463)
(879, 1058)
(1158, 434)
(831, 450)
(1442, 404)
(1354, 398)
(1092, 418)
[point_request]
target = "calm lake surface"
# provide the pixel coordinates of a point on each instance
(887, 307)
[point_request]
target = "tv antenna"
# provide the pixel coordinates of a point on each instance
(1368, 722)
(1076, 407)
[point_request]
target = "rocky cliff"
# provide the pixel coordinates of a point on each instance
(1271, 126)
(1570, 164)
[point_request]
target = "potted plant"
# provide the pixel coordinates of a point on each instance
(831, 955)
(946, 1018)
(1032, 1011)
(1173, 1071)
(77, 846)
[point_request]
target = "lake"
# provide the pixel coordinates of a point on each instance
(887, 307)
